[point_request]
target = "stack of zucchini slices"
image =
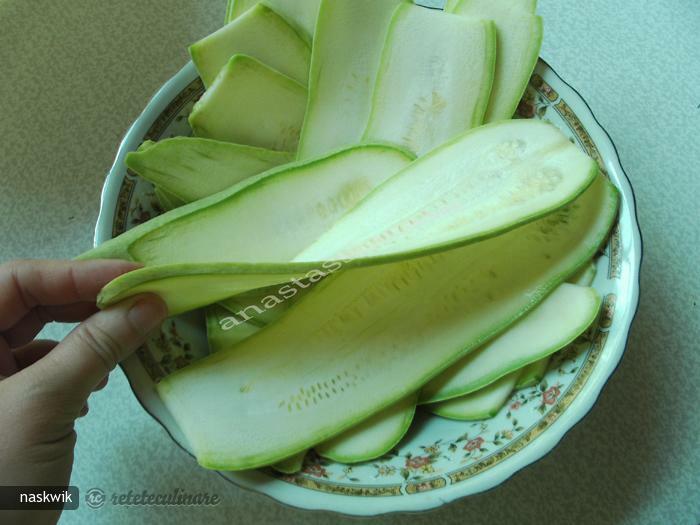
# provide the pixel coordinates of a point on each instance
(365, 225)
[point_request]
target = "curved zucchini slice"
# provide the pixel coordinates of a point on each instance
(347, 48)
(390, 329)
(186, 287)
(482, 404)
(488, 180)
(532, 374)
(433, 88)
(555, 323)
(519, 38)
(374, 437)
(218, 228)
(190, 169)
(260, 33)
(250, 103)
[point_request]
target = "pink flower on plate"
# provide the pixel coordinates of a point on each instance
(417, 462)
(316, 470)
(474, 444)
(550, 396)
(516, 405)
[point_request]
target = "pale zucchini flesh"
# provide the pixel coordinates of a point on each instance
(488, 180)
(218, 228)
(347, 48)
(252, 104)
(374, 437)
(260, 33)
(433, 88)
(277, 394)
(189, 169)
(533, 373)
(556, 322)
(482, 404)
(519, 38)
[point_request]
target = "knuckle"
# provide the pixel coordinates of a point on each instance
(100, 342)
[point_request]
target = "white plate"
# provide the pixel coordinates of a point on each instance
(440, 460)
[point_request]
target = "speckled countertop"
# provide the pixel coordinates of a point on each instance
(75, 74)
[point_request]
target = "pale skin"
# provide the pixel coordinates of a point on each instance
(45, 385)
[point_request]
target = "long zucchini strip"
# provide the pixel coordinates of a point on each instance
(347, 48)
(519, 38)
(433, 88)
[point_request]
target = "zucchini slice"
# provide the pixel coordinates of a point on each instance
(225, 329)
(347, 48)
(488, 180)
(532, 374)
(521, 6)
(218, 228)
(301, 14)
(519, 35)
(167, 200)
(433, 88)
(190, 169)
(235, 8)
(586, 275)
(556, 322)
(266, 306)
(482, 404)
(250, 103)
(390, 329)
(374, 437)
(260, 33)
(291, 465)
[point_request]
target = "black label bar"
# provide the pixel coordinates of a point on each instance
(39, 498)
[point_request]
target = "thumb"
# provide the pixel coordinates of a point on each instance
(95, 347)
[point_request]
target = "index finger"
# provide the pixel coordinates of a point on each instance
(27, 284)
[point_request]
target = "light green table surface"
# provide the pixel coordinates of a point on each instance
(75, 74)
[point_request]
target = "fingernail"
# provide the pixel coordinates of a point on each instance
(147, 313)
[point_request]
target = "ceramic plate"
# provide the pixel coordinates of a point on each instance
(440, 460)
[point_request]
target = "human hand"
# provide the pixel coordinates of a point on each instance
(44, 385)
